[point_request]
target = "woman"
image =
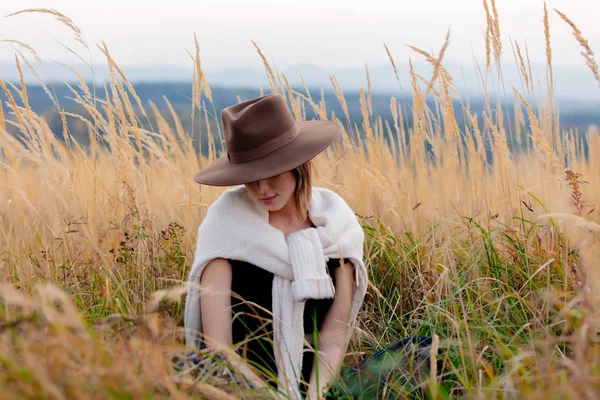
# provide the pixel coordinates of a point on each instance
(277, 261)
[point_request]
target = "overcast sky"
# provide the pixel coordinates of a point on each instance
(326, 33)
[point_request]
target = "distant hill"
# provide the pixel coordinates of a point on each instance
(575, 84)
(574, 114)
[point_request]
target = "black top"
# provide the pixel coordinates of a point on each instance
(252, 323)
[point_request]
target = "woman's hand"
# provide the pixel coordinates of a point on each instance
(333, 334)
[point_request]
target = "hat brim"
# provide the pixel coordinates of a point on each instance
(314, 138)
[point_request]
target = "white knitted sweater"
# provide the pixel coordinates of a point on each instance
(238, 228)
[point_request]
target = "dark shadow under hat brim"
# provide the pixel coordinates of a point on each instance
(314, 138)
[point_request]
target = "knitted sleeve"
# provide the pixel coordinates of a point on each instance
(311, 280)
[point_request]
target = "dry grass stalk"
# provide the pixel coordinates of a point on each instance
(500, 144)
(23, 90)
(41, 82)
(365, 114)
(323, 106)
(529, 67)
(419, 121)
(493, 40)
(270, 74)
(295, 106)
(496, 40)
(548, 47)
(394, 111)
(519, 122)
(539, 139)
(340, 96)
(438, 68)
(60, 17)
(316, 107)
(2, 119)
(13, 106)
(178, 125)
(212, 154)
(132, 91)
(488, 34)
(198, 78)
(279, 80)
(305, 86)
(574, 180)
(63, 119)
(393, 64)
(24, 45)
(369, 92)
(585, 236)
(207, 90)
(523, 70)
(586, 52)
(82, 83)
(203, 83)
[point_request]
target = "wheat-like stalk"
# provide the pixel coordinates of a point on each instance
(24, 45)
(201, 76)
(523, 70)
(496, 40)
(539, 139)
(438, 68)
(270, 74)
(586, 52)
(548, 46)
(493, 40)
(295, 105)
(60, 17)
(387, 50)
(488, 34)
(574, 180)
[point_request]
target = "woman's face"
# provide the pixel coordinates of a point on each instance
(274, 193)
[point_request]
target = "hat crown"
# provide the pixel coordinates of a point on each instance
(257, 127)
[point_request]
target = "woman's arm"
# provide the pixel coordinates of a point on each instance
(333, 334)
(215, 309)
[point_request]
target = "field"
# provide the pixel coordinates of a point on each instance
(496, 258)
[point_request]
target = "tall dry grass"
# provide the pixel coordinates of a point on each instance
(496, 259)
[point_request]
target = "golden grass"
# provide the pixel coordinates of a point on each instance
(586, 50)
(63, 19)
(24, 45)
(548, 46)
(393, 64)
(494, 259)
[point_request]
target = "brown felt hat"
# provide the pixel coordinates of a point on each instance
(263, 140)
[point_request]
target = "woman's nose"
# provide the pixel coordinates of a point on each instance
(263, 185)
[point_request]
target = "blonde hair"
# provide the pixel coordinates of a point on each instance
(303, 191)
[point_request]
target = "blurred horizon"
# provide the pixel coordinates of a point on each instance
(571, 83)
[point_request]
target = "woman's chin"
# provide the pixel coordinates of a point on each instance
(272, 207)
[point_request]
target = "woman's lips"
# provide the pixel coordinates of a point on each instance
(268, 200)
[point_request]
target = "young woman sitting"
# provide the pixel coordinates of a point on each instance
(278, 262)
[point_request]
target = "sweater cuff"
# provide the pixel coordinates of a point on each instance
(313, 288)
(311, 279)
